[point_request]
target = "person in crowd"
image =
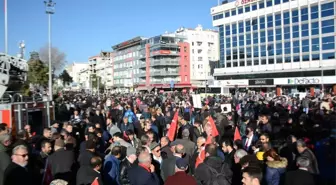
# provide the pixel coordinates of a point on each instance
(39, 161)
(145, 142)
(16, 173)
(250, 139)
(111, 169)
(89, 136)
(45, 137)
(85, 156)
(156, 158)
(168, 165)
(112, 128)
(5, 142)
(185, 141)
(135, 142)
(62, 162)
(300, 176)
(263, 139)
(252, 176)
(165, 148)
(87, 174)
(304, 151)
(237, 167)
(3, 128)
(264, 125)
(227, 147)
(126, 164)
(180, 177)
(200, 145)
(213, 169)
(54, 126)
(197, 130)
(144, 172)
(183, 120)
(126, 125)
(275, 167)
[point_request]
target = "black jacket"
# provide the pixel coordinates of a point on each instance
(85, 158)
(62, 163)
(166, 152)
(229, 158)
(299, 177)
(140, 176)
(17, 175)
(203, 173)
(125, 165)
(4, 162)
(313, 166)
(86, 175)
(168, 167)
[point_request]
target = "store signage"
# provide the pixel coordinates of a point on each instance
(261, 82)
(244, 2)
(304, 81)
(233, 82)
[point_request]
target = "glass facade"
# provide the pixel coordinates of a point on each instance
(302, 34)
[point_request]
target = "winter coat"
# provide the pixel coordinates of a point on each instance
(274, 171)
(141, 176)
(62, 163)
(17, 175)
(313, 166)
(113, 129)
(86, 175)
(125, 165)
(203, 173)
(4, 162)
(111, 170)
(299, 177)
(180, 178)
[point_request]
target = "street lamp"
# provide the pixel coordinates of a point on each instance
(6, 27)
(50, 9)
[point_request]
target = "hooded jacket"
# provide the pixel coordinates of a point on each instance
(274, 170)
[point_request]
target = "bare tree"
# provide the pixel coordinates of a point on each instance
(57, 58)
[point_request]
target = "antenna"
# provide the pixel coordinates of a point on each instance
(22, 47)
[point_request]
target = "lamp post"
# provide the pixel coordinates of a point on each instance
(6, 27)
(50, 9)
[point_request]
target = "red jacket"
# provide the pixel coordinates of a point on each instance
(180, 178)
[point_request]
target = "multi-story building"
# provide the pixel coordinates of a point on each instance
(84, 78)
(126, 64)
(164, 62)
(276, 43)
(204, 48)
(74, 70)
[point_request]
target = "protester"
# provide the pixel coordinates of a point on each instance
(180, 177)
(88, 174)
(300, 176)
(5, 141)
(126, 164)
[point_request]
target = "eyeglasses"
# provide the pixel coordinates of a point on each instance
(22, 155)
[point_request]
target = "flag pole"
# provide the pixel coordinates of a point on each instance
(6, 27)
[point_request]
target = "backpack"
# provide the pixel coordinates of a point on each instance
(217, 178)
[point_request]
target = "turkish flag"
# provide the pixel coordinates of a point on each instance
(95, 182)
(201, 155)
(214, 131)
(173, 127)
(236, 135)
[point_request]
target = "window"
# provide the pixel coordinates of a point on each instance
(248, 52)
(328, 26)
(249, 63)
(278, 49)
(255, 24)
(227, 14)
(315, 44)
(228, 65)
(241, 63)
(255, 51)
(185, 68)
(314, 28)
(262, 23)
(227, 30)
(263, 50)
(270, 60)
(270, 35)
(295, 16)
(248, 26)
(326, 56)
(234, 29)
(255, 38)
(263, 61)
(304, 14)
(287, 47)
(278, 20)
(234, 41)
(241, 27)
(240, 10)
(327, 9)
(216, 17)
(200, 59)
(228, 42)
(276, 2)
(286, 18)
(296, 58)
(278, 35)
(304, 30)
(241, 53)
(269, 3)
(261, 5)
(233, 12)
(279, 60)
(305, 58)
(248, 39)
(328, 43)
(305, 45)
(254, 7)
(235, 64)
(193, 42)
(235, 54)
(256, 62)
(269, 21)
(262, 37)
(247, 8)
(296, 47)
(295, 31)
(241, 40)
(314, 12)
(270, 50)
(287, 32)
(288, 59)
(228, 54)
(315, 56)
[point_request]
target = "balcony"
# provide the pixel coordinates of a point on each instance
(142, 65)
(164, 53)
(164, 62)
(142, 75)
(164, 73)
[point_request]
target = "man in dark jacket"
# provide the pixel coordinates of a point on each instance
(127, 164)
(168, 165)
(16, 173)
(189, 146)
(111, 170)
(165, 148)
(227, 147)
(144, 173)
(87, 174)
(300, 176)
(61, 162)
(5, 141)
(85, 156)
(306, 152)
(39, 161)
(180, 177)
(205, 172)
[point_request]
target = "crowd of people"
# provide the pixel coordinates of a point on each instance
(162, 139)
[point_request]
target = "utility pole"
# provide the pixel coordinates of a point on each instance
(6, 27)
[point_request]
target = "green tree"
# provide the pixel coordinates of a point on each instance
(65, 77)
(38, 71)
(94, 81)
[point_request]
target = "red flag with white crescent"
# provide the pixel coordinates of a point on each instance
(173, 127)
